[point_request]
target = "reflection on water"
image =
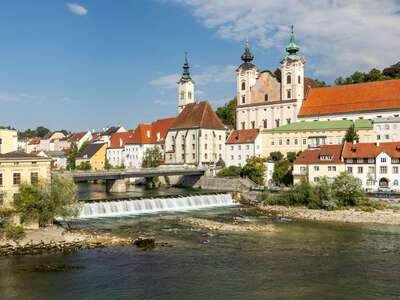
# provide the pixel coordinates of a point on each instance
(303, 260)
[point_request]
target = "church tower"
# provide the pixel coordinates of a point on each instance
(186, 87)
(292, 70)
(246, 76)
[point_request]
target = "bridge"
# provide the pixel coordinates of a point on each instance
(115, 178)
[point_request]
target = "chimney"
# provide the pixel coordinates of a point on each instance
(378, 144)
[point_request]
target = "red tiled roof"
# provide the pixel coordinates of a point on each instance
(242, 136)
(119, 139)
(35, 141)
(314, 156)
(153, 133)
(76, 137)
(379, 95)
(371, 150)
(198, 115)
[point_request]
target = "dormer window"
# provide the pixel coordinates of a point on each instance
(325, 157)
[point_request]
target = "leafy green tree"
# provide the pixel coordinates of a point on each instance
(232, 171)
(255, 169)
(321, 83)
(291, 156)
(227, 112)
(276, 156)
(152, 158)
(42, 131)
(85, 165)
(347, 189)
(71, 158)
(83, 147)
(351, 134)
(45, 201)
(282, 172)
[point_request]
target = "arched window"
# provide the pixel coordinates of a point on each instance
(265, 123)
(266, 97)
(243, 86)
(299, 80)
(289, 94)
(289, 79)
(243, 99)
(396, 182)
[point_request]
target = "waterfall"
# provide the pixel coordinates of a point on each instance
(146, 206)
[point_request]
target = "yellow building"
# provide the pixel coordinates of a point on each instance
(18, 167)
(300, 136)
(95, 154)
(8, 140)
(313, 165)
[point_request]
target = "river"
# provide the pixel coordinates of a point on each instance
(303, 260)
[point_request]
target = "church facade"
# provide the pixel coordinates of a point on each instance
(271, 99)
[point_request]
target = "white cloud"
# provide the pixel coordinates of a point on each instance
(337, 36)
(77, 9)
(20, 98)
(211, 74)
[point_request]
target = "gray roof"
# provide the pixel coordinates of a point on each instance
(387, 120)
(19, 155)
(91, 150)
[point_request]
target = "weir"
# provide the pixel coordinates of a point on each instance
(146, 206)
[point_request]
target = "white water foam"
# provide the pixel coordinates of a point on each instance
(148, 206)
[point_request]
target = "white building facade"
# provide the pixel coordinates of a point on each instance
(241, 145)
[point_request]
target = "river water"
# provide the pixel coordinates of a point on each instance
(304, 260)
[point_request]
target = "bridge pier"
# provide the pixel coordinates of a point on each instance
(115, 186)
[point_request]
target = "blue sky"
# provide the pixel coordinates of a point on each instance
(89, 64)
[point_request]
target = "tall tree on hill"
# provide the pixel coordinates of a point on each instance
(227, 112)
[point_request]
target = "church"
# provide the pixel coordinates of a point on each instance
(271, 99)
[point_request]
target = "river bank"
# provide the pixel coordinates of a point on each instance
(58, 239)
(385, 216)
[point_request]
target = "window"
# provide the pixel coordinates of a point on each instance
(247, 147)
(239, 147)
(1, 199)
(383, 170)
(243, 86)
(331, 168)
(378, 137)
(193, 146)
(349, 160)
(16, 178)
(193, 156)
(232, 157)
(299, 80)
(266, 97)
(243, 125)
(371, 170)
(183, 147)
(383, 159)
(316, 168)
(205, 155)
(272, 142)
(183, 156)
(265, 123)
(182, 95)
(289, 79)
(288, 120)
(1, 179)
(34, 178)
(360, 160)
(231, 147)
(289, 94)
(303, 170)
(243, 99)
(277, 122)
(220, 147)
(205, 146)
(371, 160)
(370, 182)
(220, 137)
(350, 170)
(395, 170)
(360, 170)
(296, 141)
(304, 141)
(287, 141)
(190, 95)
(395, 182)
(193, 136)
(316, 179)
(280, 141)
(239, 157)
(253, 124)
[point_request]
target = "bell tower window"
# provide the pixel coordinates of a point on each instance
(299, 80)
(190, 95)
(266, 97)
(243, 86)
(289, 79)
(243, 99)
(182, 95)
(265, 123)
(289, 94)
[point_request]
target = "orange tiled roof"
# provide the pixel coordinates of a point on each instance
(314, 156)
(371, 150)
(35, 141)
(153, 133)
(198, 115)
(76, 137)
(242, 136)
(119, 139)
(379, 95)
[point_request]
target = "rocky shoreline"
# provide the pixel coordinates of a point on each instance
(386, 216)
(219, 226)
(56, 239)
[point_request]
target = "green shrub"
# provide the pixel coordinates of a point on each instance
(14, 233)
(231, 171)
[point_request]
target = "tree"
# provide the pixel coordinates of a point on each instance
(255, 169)
(233, 171)
(282, 172)
(227, 112)
(351, 134)
(42, 131)
(276, 156)
(321, 83)
(72, 154)
(347, 189)
(85, 165)
(152, 158)
(291, 156)
(45, 201)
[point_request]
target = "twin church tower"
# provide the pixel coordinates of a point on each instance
(264, 99)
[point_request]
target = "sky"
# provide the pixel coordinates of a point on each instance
(91, 64)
